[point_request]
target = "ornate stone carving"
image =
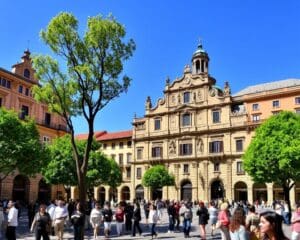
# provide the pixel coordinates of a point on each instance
(199, 145)
(172, 147)
(227, 90)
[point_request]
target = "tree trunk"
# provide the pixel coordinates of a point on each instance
(286, 190)
(82, 188)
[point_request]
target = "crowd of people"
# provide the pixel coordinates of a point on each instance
(235, 221)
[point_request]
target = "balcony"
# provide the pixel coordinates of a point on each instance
(59, 127)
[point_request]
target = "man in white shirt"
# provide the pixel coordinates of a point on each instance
(59, 217)
(12, 221)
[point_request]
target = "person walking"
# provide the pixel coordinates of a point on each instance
(136, 219)
(187, 214)
(41, 223)
(153, 218)
(213, 216)
(59, 216)
(128, 217)
(78, 221)
(107, 218)
(12, 221)
(237, 229)
(203, 215)
(95, 219)
(171, 214)
(223, 219)
(119, 216)
(252, 223)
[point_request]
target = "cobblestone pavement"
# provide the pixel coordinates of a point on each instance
(162, 230)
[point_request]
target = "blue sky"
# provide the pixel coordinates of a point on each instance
(248, 42)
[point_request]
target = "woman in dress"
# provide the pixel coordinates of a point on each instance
(78, 220)
(223, 219)
(203, 215)
(96, 218)
(213, 216)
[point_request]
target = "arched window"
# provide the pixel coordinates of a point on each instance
(198, 66)
(26, 73)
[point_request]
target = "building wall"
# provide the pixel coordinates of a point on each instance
(206, 174)
(15, 95)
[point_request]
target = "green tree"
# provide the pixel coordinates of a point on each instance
(62, 170)
(157, 177)
(274, 153)
(20, 145)
(91, 80)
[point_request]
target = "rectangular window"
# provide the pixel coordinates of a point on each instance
(216, 167)
(20, 89)
(128, 172)
(255, 118)
(27, 91)
(276, 104)
(186, 119)
(113, 156)
(121, 144)
(255, 106)
(156, 152)
(8, 84)
(113, 145)
(216, 147)
(186, 97)
(216, 116)
(24, 111)
(297, 100)
(129, 144)
(138, 173)
(129, 158)
(139, 153)
(186, 168)
(104, 146)
(47, 119)
(3, 82)
(121, 159)
(186, 149)
(239, 145)
(240, 168)
(157, 124)
(46, 140)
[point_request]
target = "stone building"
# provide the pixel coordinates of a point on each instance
(15, 93)
(199, 131)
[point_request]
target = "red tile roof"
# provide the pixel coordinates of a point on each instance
(84, 136)
(115, 135)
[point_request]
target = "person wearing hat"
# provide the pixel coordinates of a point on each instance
(12, 221)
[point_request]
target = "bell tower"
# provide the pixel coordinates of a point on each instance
(200, 61)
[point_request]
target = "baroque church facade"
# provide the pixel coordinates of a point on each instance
(199, 132)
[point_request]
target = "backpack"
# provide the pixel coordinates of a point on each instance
(187, 214)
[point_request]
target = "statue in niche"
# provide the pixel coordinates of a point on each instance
(179, 98)
(199, 95)
(200, 145)
(172, 147)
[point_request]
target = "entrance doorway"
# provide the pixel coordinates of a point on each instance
(186, 190)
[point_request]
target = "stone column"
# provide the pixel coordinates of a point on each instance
(250, 194)
(203, 182)
(106, 193)
(270, 193)
(177, 179)
(195, 181)
(229, 194)
(96, 191)
(33, 189)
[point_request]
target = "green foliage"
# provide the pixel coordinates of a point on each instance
(157, 177)
(20, 146)
(274, 153)
(61, 169)
(93, 64)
